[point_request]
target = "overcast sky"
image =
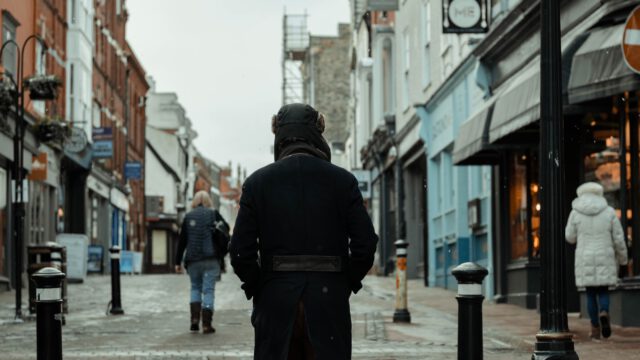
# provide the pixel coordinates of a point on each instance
(223, 59)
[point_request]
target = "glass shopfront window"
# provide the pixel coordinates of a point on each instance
(524, 206)
(611, 158)
(4, 219)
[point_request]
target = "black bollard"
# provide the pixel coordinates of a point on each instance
(49, 313)
(469, 276)
(116, 305)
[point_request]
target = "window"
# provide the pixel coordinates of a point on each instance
(9, 59)
(118, 7)
(96, 115)
(407, 62)
(72, 99)
(73, 11)
(426, 43)
(524, 207)
(387, 78)
(41, 68)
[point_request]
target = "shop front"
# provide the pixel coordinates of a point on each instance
(459, 198)
(600, 140)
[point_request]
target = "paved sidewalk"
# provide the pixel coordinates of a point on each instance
(156, 318)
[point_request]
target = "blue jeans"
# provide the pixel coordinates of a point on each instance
(597, 297)
(203, 275)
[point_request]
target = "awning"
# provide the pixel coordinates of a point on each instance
(517, 106)
(599, 69)
(471, 146)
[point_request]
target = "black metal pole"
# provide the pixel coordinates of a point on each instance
(469, 276)
(553, 341)
(116, 305)
(49, 313)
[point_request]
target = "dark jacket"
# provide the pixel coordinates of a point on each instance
(197, 236)
(302, 205)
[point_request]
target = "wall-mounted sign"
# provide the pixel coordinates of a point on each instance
(102, 149)
(103, 133)
(39, 166)
(473, 213)
(77, 141)
(382, 5)
(465, 16)
(133, 170)
(631, 41)
(364, 182)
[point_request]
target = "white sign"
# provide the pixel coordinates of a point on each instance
(464, 13)
(77, 255)
(364, 182)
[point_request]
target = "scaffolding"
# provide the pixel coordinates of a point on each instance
(294, 47)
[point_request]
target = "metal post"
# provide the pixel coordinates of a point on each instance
(402, 313)
(49, 313)
(553, 341)
(469, 276)
(116, 305)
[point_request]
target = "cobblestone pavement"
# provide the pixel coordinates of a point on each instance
(156, 319)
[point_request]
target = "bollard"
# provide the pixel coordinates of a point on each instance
(116, 305)
(49, 313)
(469, 276)
(402, 313)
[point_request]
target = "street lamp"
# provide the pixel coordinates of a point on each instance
(12, 93)
(553, 341)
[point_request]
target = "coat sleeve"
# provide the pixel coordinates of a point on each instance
(243, 248)
(571, 232)
(617, 234)
(182, 243)
(362, 238)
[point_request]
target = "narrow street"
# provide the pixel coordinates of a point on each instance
(156, 320)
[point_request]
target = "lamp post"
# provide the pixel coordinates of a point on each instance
(553, 341)
(41, 87)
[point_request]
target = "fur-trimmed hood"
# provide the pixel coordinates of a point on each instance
(590, 200)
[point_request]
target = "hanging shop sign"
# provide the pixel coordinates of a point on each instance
(133, 170)
(382, 5)
(103, 133)
(39, 167)
(465, 16)
(77, 141)
(631, 41)
(102, 149)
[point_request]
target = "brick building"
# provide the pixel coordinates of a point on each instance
(327, 86)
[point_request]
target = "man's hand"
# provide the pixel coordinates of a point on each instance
(178, 269)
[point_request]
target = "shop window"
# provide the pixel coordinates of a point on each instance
(4, 238)
(524, 205)
(9, 56)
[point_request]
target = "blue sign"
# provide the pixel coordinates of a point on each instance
(94, 262)
(126, 262)
(133, 170)
(105, 133)
(102, 149)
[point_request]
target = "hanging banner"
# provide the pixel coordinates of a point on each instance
(39, 167)
(465, 16)
(102, 149)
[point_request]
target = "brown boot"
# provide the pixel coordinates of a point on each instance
(195, 316)
(595, 332)
(207, 317)
(605, 324)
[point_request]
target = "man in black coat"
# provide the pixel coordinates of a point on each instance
(302, 242)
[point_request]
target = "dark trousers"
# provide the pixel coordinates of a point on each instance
(300, 346)
(597, 300)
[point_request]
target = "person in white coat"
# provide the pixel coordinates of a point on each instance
(594, 226)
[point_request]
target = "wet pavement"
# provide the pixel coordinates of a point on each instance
(155, 325)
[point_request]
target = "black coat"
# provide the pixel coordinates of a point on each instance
(302, 205)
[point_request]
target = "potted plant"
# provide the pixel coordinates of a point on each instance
(52, 129)
(42, 87)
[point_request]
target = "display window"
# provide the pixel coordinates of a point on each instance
(524, 205)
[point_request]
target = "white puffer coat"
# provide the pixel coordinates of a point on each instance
(593, 224)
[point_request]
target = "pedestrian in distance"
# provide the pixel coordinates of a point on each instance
(302, 243)
(594, 226)
(205, 236)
